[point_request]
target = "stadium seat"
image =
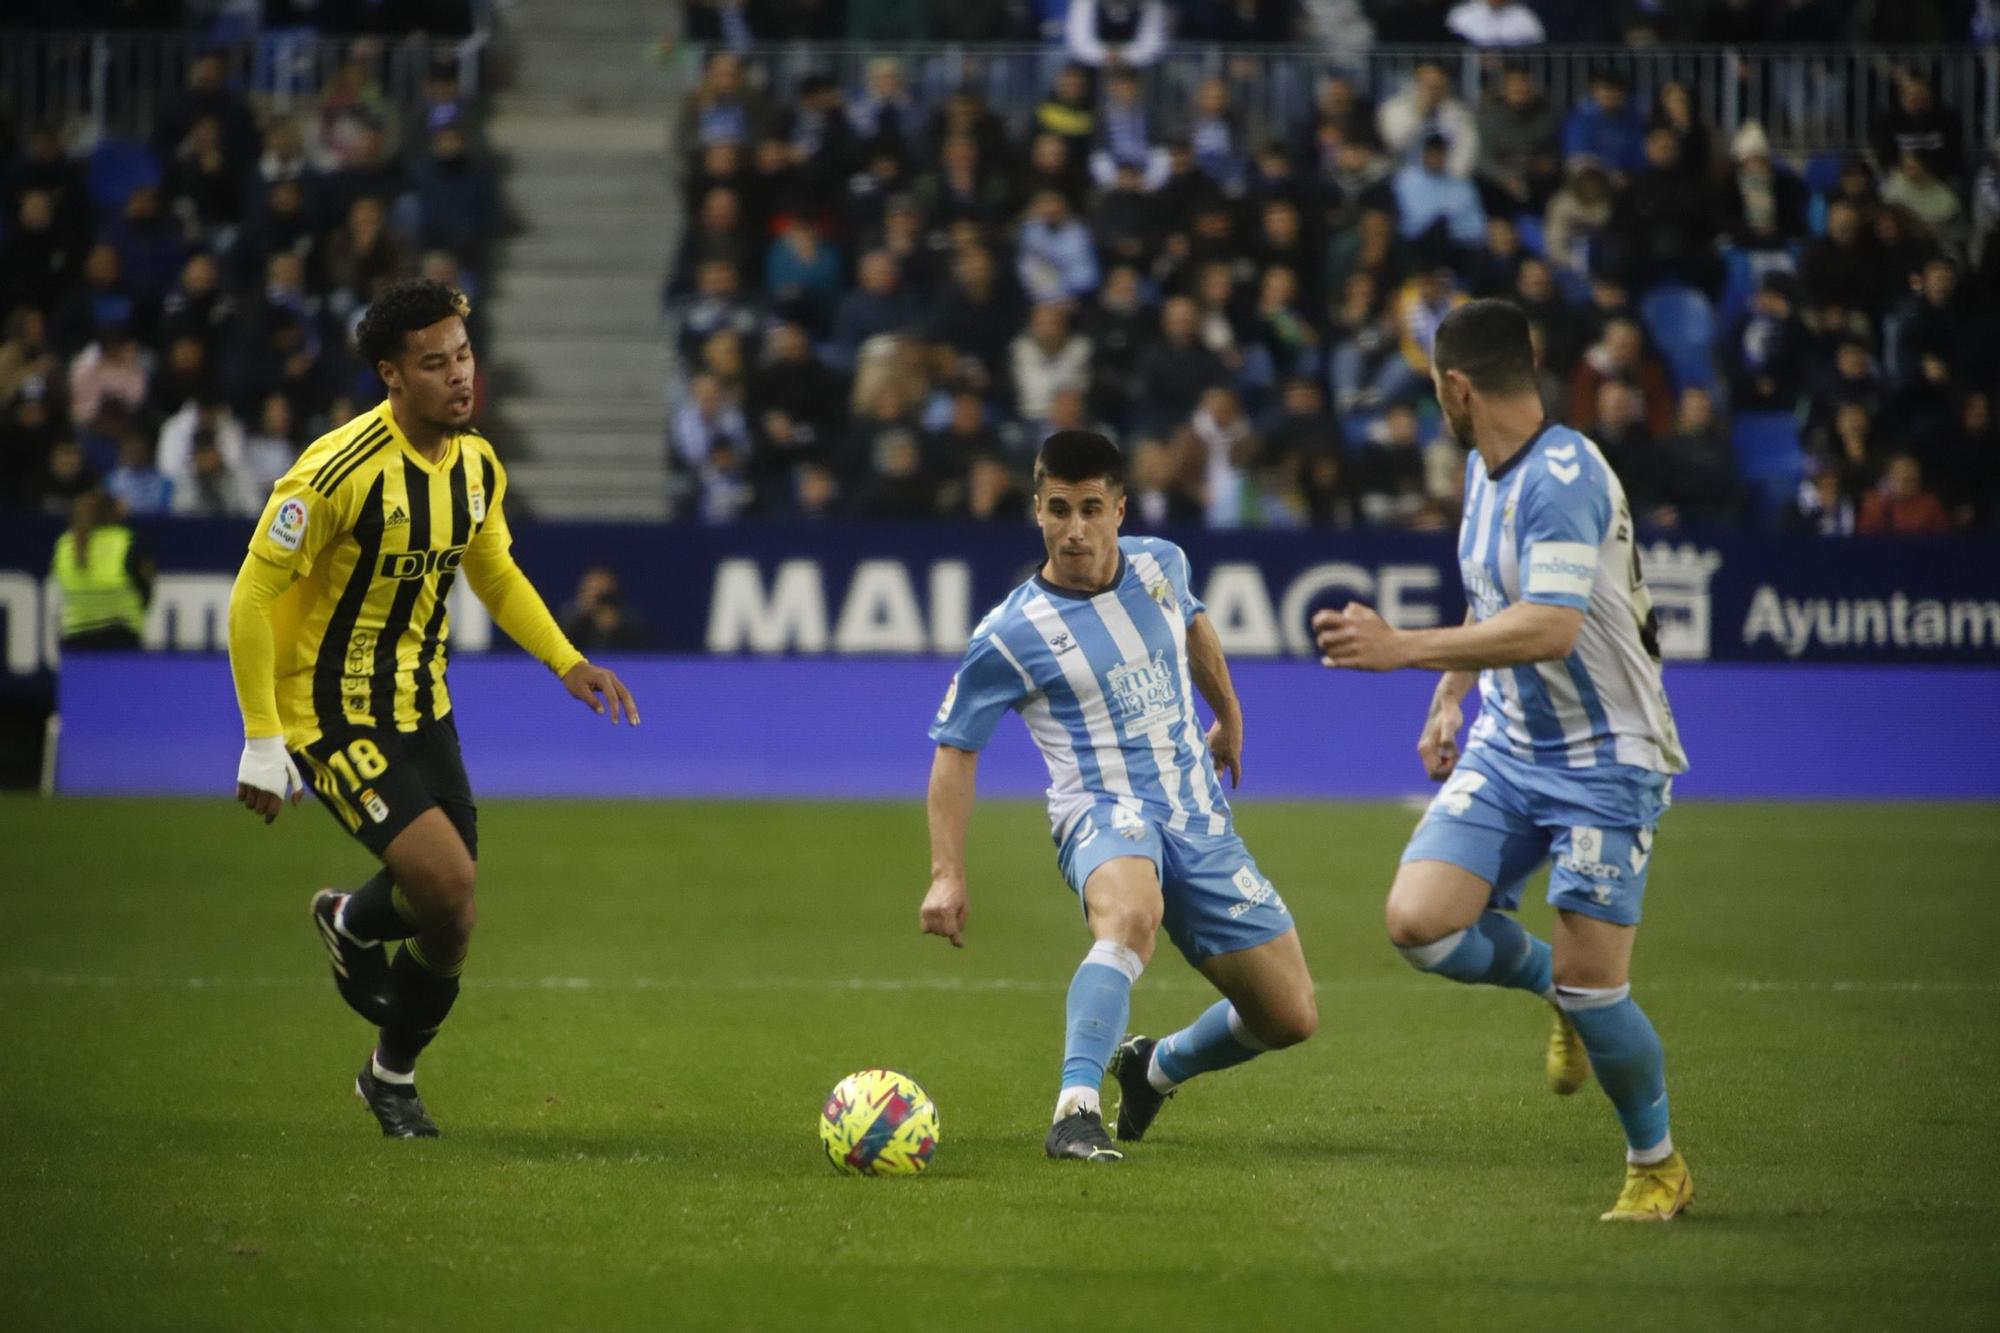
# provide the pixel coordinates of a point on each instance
(1739, 282)
(115, 169)
(1574, 286)
(1769, 459)
(1682, 323)
(1822, 173)
(1529, 227)
(1742, 270)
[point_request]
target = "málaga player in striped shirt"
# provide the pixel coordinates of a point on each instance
(1573, 752)
(1101, 653)
(337, 631)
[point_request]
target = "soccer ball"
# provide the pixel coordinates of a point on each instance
(878, 1123)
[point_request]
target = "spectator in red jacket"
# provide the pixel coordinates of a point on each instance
(1621, 355)
(1902, 505)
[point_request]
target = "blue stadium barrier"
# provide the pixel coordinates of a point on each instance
(845, 728)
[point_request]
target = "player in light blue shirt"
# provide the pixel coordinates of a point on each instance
(1573, 752)
(1098, 653)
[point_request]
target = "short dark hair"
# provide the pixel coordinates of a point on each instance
(1079, 455)
(1488, 342)
(416, 303)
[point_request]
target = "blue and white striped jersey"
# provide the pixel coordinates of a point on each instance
(1102, 682)
(1553, 526)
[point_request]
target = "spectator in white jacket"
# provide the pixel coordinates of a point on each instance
(1048, 358)
(208, 485)
(1426, 108)
(1490, 23)
(199, 416)
(1115, 32)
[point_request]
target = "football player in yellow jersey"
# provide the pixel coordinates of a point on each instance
(337, 630)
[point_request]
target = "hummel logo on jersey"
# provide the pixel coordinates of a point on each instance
(1562, 451)
(396, 516)
(1642, 850)
(1564, 472)
(1062, 643)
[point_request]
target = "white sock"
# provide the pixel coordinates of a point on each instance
(391, 1076)
(1107, 953)
(1659, 1152)
(1156, 1075)
(1071, 1100)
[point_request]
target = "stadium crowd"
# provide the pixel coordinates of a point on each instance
(882, 303)
(178, 308)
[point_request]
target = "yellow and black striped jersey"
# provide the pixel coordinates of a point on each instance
(371, 535)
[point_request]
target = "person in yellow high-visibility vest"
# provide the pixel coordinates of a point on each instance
(106, 583)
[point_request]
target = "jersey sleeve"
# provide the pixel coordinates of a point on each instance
(1565, 512)
(298, 521)
(985, 686)
(1181, 575)
(498, 582)
(253, 651)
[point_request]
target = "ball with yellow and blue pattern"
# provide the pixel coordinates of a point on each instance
(878, 1122)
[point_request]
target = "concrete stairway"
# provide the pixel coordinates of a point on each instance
(582, 122)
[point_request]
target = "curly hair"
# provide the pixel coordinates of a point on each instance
(404, 308)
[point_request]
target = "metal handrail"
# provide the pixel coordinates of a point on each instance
(117, 82)
(1808, 99)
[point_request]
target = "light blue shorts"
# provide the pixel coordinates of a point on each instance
(1500, 818)
(1217, 900)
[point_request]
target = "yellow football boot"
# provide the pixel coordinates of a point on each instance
(1655, 1192)
(1567, 1065)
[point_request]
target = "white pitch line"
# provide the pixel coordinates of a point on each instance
(827, 985)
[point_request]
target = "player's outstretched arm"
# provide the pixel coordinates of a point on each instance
(1211, 676)
(265, 775)
(954, 775)
(1356, 638)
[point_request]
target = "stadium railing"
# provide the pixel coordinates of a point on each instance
(117, 82)
(1808, 99)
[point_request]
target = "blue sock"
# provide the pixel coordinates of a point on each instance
(1214, 1041)
(1100, 997)
(1626, 1057)
(1492, 951)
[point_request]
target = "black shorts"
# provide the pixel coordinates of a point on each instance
(376, 782)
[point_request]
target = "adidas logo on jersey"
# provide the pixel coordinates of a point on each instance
(396, 516)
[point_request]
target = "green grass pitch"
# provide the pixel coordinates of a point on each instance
(659, 996)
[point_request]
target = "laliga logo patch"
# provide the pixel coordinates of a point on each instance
(377, 809)
(475, 500)
(950, 698)
(288, 525)
(1586, 858)
(1256, 892)
(1161, 593)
